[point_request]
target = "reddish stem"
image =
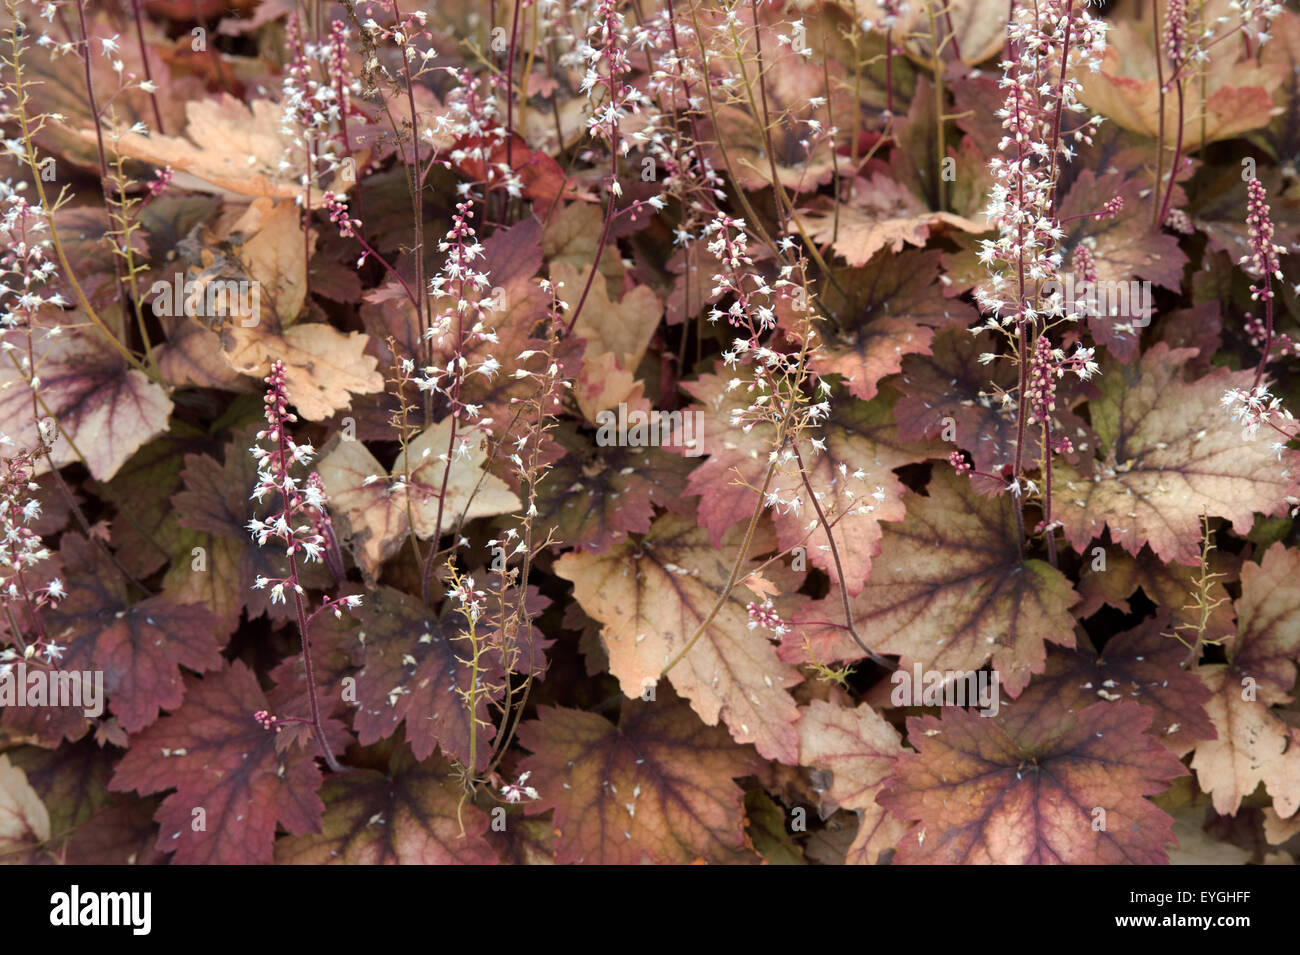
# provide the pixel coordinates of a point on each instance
(1047, 491)
(318, 728)
(1268, 332)
(889, 71)
(1178, 151)
(144, 58)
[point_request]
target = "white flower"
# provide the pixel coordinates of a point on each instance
(518, 790)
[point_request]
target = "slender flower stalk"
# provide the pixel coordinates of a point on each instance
(891, 15)
(463, 322)
(1053, 44)
(302, 525)
(540, 415)
(783, 395)
(1262, 261)
(21, 550)
(23, 148)
(1257, 407)
(605, 53)
(1176, 48)
(406, 29)
(148, 71)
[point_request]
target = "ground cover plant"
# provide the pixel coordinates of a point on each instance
(588, 431)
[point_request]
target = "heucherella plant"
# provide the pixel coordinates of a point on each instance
(453, 331)
(513, 641)
(1053, 44)
(726, 431)
(300, 522)
(1256, 407)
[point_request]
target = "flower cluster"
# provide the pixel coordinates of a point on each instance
(338, 66)
(519, 789)
(26, 269)
(301, 523)
(1257, 332)
(784, 395)
(110, 48)
(473, 120)
(729, 244)
(274, 476)
(1083, 264)
(752, 311)
(1188, 37)
(891, 14)
(467, 598)
(1256, 16)
(1053, 41)
(1264, 252)
(605, 55)
(315, 112)
(1051, 44)
(1041, 383)
(337, 207)
(21, 549)
(682, 167)
(405, 34)
(1175, 38)
(1047, 366)
(161, 182)
(323, 528)
(301, 518)
(541, 414)
(764, 615)
(1179, 221)
(1110, 208)
(1256, 407)
(461, 326)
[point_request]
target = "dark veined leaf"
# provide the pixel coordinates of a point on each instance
(657, 787)
(234, 781)
(1037, 784)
